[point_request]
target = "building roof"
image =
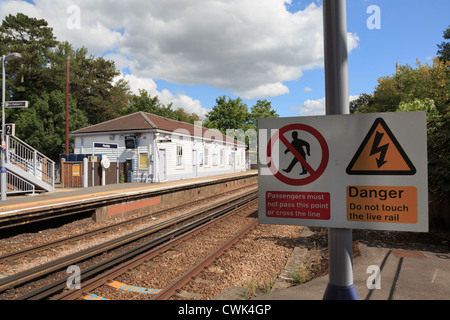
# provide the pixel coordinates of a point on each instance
(139, 121)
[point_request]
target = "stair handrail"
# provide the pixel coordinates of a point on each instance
(29, 158)
(16, 184)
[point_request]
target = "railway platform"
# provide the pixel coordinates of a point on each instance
(111, 200)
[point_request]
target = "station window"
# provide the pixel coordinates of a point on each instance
(222, 157)
(179, 156)
(206, 157)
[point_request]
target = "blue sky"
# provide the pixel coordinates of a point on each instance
(191, 52)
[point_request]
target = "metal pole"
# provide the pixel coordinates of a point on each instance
(67, 104)
(340, 286)
(3, 169)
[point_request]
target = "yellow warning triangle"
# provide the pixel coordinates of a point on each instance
(380, 154)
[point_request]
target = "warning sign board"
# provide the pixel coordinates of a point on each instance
(380, 154)
(365, 171)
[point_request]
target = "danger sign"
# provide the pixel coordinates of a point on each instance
(381, 154)
(365, 171)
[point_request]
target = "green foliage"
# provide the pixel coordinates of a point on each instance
(426, 105)
(438, 129)
(233, 114)
(407, 85)
(439, 154)
(364, 104)
(44, 126)
(261, 110)
(34, 40)
(228, 114)
(444, 47)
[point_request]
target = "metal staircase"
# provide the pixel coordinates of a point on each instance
(27, 169)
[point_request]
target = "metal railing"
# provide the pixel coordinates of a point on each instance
(15, 184)
(30, 160)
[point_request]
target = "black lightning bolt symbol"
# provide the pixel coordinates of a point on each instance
(377, 149)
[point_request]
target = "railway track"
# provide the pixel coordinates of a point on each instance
(109, 278)
(38, 250)
(190, 274)
(89, 272)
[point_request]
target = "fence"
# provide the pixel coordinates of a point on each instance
(72, 173)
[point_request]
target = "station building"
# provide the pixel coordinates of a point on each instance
(144, 147)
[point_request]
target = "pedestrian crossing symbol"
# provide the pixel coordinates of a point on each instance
(380, 154)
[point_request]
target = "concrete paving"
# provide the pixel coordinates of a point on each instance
(415, 272)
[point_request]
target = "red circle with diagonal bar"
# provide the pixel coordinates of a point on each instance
(314, 174)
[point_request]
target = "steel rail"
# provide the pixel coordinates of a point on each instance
(178, 237)
(105, 265)
(173, 288)
(61, 263)
(19, 254)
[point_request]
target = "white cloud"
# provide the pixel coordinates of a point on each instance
(265, 91)
(165, 96)
(188, 104)
(315, 107)
(140, 83)
(311, 108)
(308, 89)
(249, 47)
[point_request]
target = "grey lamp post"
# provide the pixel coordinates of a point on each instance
(9, 57)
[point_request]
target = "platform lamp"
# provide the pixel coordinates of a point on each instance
(9, 57)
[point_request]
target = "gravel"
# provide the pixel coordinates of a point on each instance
(255, 261)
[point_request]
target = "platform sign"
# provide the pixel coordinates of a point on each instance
(365, 171)
(106, 145)
(16, 104)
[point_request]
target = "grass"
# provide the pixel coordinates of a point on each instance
(253, 286)
(305, 271)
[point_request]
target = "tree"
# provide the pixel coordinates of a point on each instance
(34, 40)
(180, 115)
(146, 103)
(261, 110)
(43, 126)
(444, 47)
(92, 85)
(407, 85)
(364, 104)
(228, 114)
(438, 129)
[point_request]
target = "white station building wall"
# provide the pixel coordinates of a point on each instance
(167, 156)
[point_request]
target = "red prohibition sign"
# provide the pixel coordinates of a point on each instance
(313, 174)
